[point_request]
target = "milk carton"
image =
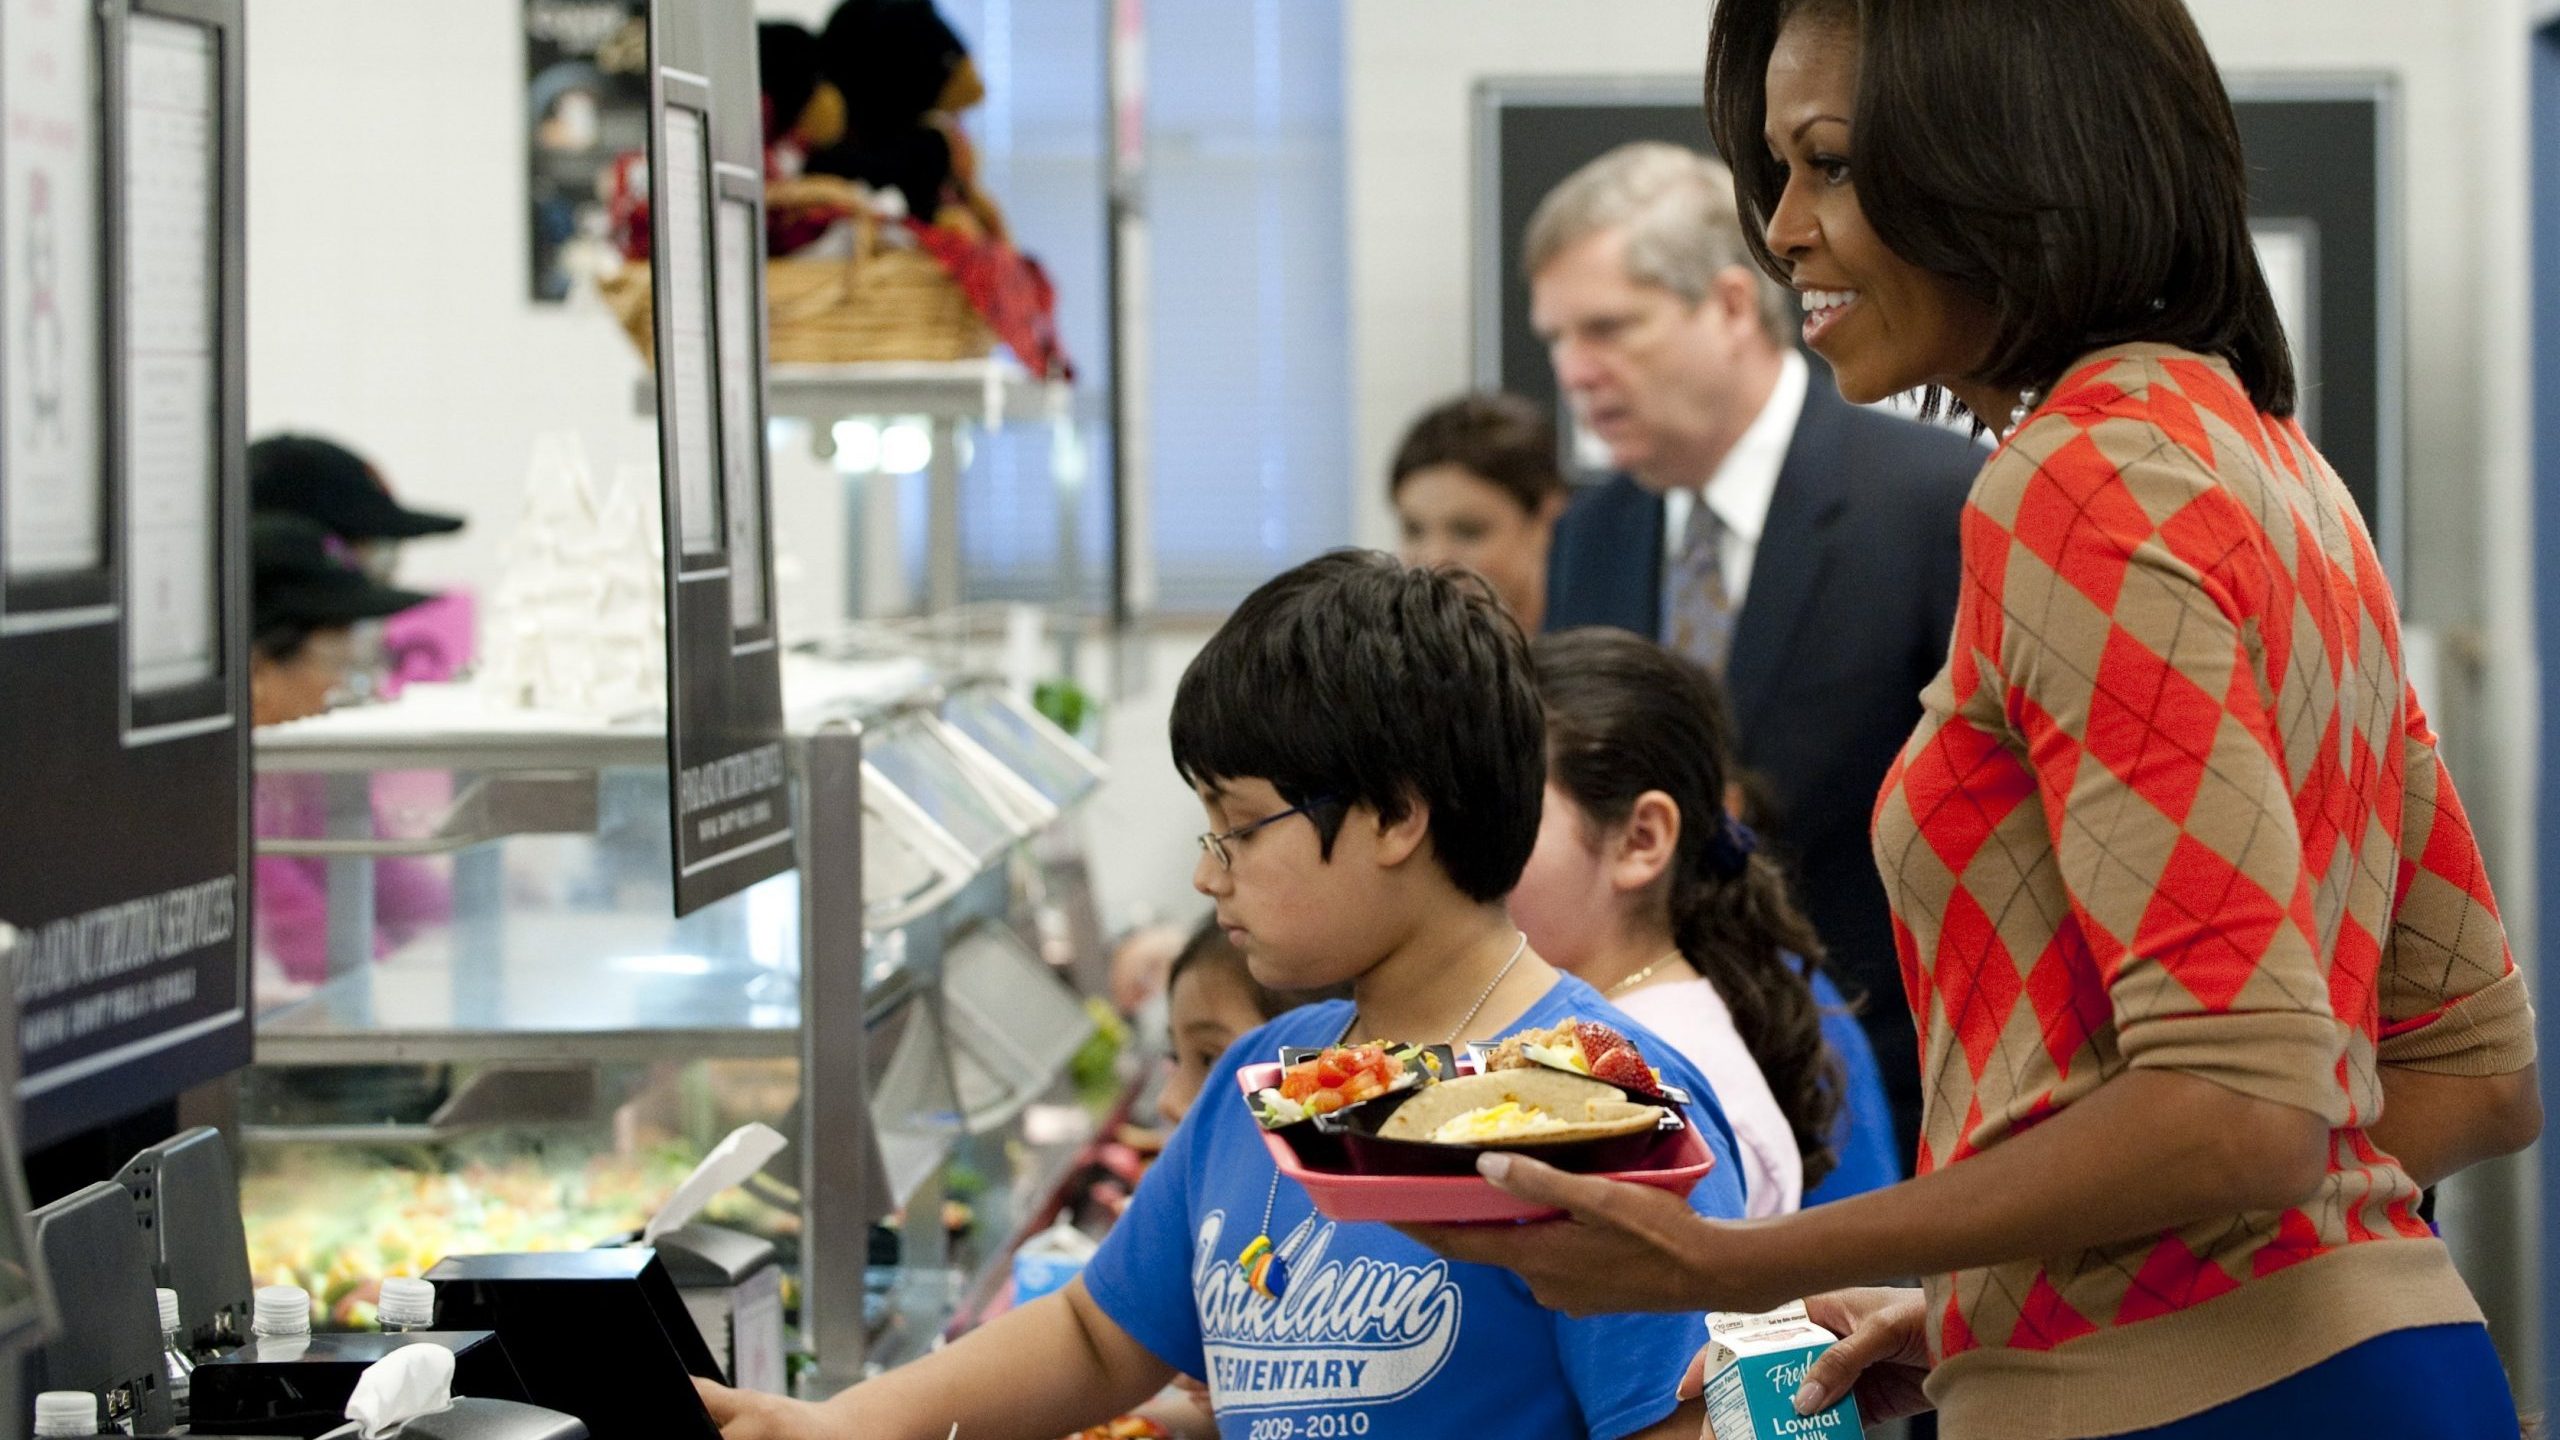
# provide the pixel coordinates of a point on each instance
(1755, 1363)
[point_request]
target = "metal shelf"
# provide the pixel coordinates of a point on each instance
(569, 986)
(990, 392)
(450, 727)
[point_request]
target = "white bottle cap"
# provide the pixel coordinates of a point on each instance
(168, 1310)
(66, 1412)
(281, 1310)
(407, 1301)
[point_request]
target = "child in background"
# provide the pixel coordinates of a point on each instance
(1213, 1001)
(1643, 886)
(1369, 748)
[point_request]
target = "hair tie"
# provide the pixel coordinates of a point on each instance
(1731, 846)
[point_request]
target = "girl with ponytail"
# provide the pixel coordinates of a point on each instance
(1648, 889)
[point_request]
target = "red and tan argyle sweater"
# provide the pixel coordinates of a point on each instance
(2172, 803)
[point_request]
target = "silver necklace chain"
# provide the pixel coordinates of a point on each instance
(1472, 1011)
(1262, 1237)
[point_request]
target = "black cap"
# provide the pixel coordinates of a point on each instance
(333, 486)
(298, 582)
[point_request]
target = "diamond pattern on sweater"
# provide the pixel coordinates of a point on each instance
(2172, 797)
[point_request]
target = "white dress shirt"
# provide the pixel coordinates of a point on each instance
(1743, 486)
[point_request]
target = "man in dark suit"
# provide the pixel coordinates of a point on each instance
(1802, 548)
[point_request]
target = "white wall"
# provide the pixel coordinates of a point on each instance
(388, 292)
(2464, 158)
(1410, 97)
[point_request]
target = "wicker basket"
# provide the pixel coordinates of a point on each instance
(884, 302)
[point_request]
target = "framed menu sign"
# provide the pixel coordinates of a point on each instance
(729, 782)
(53, 478)
(123, 677)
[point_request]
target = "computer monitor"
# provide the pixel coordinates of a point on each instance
(109, 1343)
(26, 1303)
(186, 1198)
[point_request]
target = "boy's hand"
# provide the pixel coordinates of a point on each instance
(753, 1415)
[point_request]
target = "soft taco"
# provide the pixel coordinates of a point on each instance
(1514, 1108)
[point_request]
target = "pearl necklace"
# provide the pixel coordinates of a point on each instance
(1641, 976)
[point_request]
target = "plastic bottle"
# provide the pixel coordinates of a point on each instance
(66, 1412)
(281, 1312)
(407, 1305)
(174, 1358)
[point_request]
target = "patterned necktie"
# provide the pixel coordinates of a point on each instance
(1700, 611)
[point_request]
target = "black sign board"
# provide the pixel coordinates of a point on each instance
(2321, 172)
(729, 790)
(123, 687)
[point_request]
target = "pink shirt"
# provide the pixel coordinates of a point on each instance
(1692, 1016)
(291, 893)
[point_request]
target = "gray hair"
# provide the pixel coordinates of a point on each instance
(1682, 226)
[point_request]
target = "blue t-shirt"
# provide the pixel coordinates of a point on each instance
(1862, 1135)
(1377, 1336)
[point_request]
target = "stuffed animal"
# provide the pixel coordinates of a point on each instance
(905, 78)
(803, 110)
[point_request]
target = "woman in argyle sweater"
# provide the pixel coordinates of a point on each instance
(2208, 975)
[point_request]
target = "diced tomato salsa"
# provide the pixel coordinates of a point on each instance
(1342, 1076)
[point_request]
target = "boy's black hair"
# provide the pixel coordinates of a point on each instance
(1356, 680)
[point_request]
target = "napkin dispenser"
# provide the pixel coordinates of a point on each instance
(479, 1419)
(300, 1386)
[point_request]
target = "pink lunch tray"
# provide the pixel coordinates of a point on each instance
(1446, 1199)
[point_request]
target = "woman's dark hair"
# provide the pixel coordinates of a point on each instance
(1625, 716)
(1210, 949)
(1355, 680)
(2073, 164)
(1504, 440)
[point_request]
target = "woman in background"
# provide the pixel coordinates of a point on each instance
(1476, 484)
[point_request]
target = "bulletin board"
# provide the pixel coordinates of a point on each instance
(729, 790)
(123, 592)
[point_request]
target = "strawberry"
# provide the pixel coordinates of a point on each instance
(1626, 1069)
(1598, 1040)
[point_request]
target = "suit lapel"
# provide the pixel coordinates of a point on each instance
(1795, 546)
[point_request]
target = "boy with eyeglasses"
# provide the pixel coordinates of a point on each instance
(1370, 752)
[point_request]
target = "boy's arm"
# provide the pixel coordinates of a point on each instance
(1054, 1366)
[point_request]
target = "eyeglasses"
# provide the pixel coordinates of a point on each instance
(1216, 843)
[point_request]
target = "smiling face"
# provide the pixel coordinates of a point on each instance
(1665, 383)
(1449, 515)
(1884, 324)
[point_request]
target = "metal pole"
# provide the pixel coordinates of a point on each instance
(350, 876)
(1125, 256)
(942, 519)
(836, 1142)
